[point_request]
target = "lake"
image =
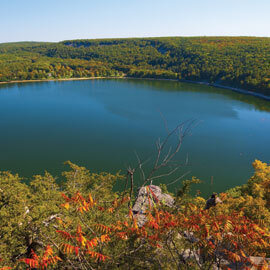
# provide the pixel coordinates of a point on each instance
(100, 124)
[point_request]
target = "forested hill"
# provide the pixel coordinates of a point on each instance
(242, 62)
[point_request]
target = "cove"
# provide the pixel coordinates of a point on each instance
(100, 124)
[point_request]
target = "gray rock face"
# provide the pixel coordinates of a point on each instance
(149, 196)
(256, 263)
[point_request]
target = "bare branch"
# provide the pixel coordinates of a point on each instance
(168, 154)
(181, 131)
(140, 165)
(165, 174)
(179, 178)
(165, 121)
(131, 175)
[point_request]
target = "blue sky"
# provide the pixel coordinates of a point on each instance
(55, 20)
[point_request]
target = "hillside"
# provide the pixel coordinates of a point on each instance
(242, 62)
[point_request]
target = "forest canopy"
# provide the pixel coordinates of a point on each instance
(242, 62)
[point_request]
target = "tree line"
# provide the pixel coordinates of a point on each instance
(233, 61)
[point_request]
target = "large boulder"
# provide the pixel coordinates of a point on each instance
(149, 196)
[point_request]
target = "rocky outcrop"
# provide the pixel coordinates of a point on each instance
(149, 196)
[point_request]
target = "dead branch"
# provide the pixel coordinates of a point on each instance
(131, 176)
(181, 131)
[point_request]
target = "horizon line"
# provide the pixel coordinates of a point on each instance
(135, 37)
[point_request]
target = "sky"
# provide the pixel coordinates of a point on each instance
(56, 20)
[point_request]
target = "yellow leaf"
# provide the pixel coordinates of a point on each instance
(65, 205)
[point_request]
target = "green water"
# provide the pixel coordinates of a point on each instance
(101, 123)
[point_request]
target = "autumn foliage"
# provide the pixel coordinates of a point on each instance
(94, 228)
(36, 262)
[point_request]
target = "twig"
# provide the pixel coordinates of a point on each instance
(179, 178)
(131, 175)
(181, 133)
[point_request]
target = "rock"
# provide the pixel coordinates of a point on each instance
(188, 254)
(149, 195)
(190, 237)
(256, 263)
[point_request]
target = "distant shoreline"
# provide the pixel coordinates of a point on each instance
(238, 90)
(56, 80)
(235, 89)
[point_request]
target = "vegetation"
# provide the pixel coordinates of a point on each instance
(233, 61)
(80, 222)
(83, 224)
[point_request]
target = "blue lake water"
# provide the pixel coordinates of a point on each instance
(100, 124)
